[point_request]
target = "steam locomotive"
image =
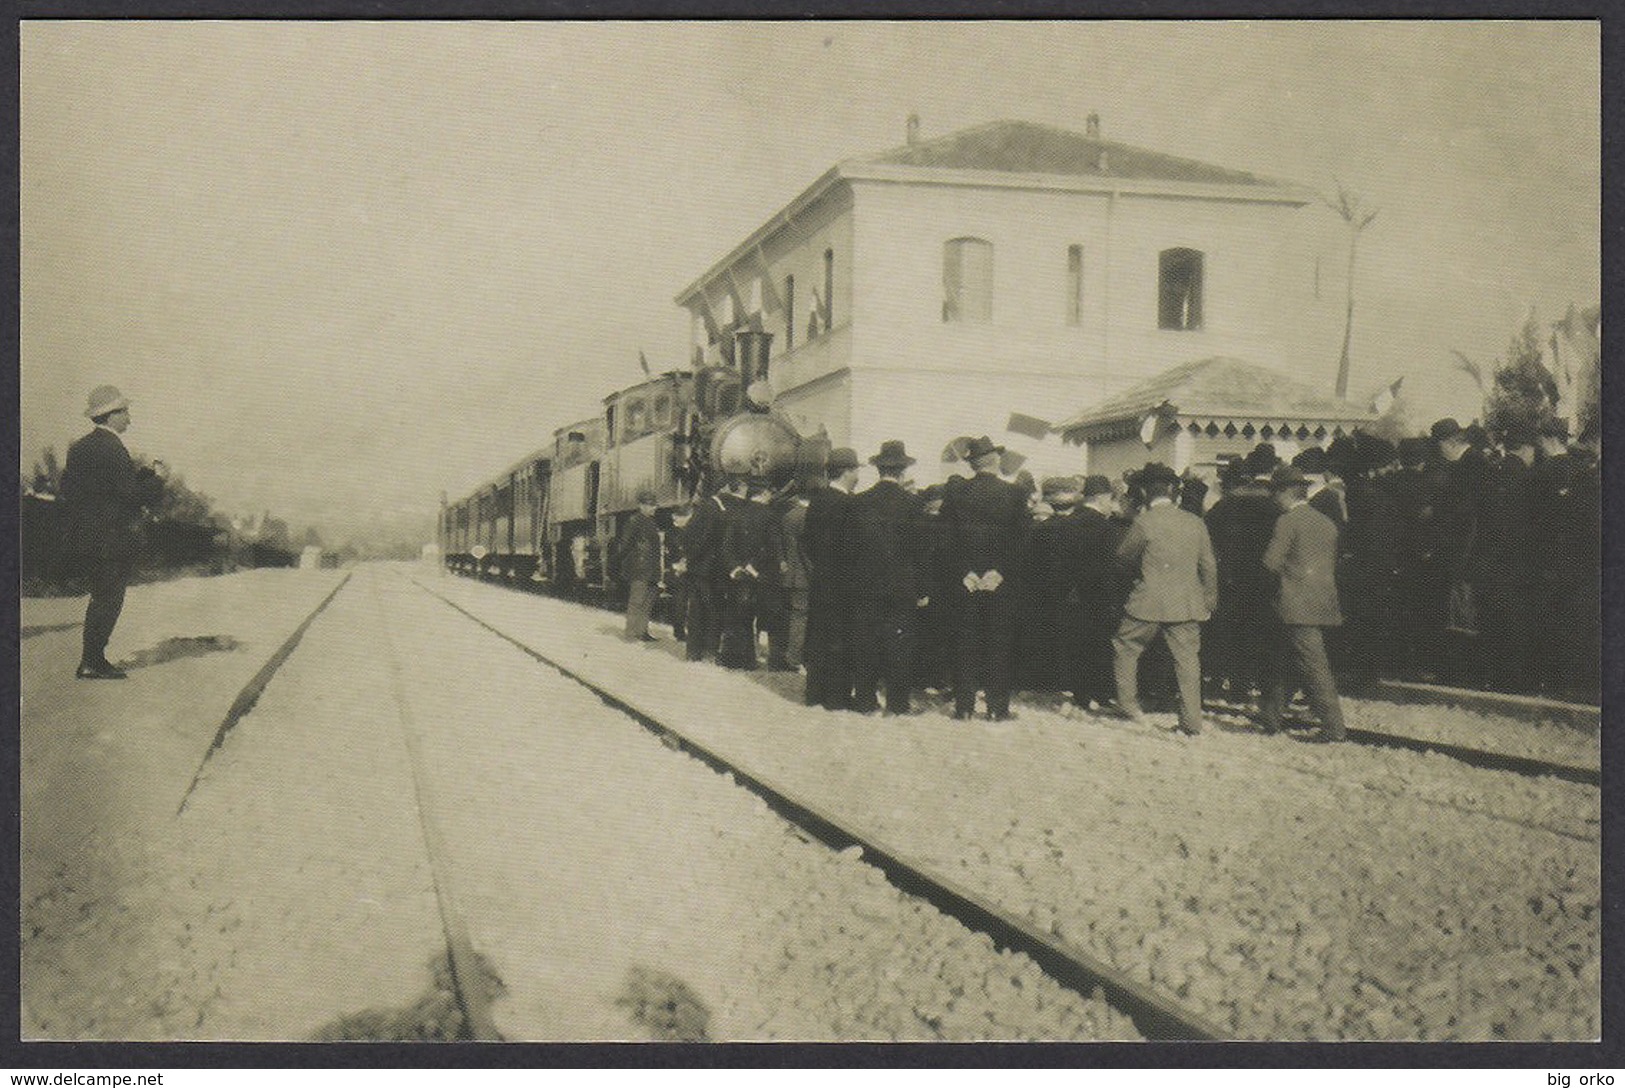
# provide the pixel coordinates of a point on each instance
(548, 520)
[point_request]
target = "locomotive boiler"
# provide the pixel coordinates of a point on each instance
(549, 519)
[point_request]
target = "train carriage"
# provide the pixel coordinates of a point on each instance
(552, 517)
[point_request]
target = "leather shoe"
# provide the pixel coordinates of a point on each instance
(103, 671)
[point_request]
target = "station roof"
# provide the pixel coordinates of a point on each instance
(1024, 147)
(1023, 154)
(1218, 389)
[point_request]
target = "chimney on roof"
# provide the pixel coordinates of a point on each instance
(1091, 127)
(913, 129)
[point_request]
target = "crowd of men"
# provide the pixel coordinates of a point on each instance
(1449, 557)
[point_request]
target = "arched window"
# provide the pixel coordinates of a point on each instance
(967, 280)
(1179, 289)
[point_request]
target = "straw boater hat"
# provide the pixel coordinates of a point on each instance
(892, 455)
(105, 399)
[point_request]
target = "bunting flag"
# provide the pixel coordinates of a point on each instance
(712, 330)
(770, 295)
(1027, 426)
(955, 451)
(1386, 396)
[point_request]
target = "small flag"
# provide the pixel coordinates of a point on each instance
(1386, 396)
(1027, 426)
(643, 361)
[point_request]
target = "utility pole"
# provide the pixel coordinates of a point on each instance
(1348, 206)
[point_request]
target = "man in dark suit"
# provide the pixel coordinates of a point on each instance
(985, 518)
(1098, 590)
(887, 543)
(829, 598)
(1238, 638)
(1501, 565)
(1302, 553)
(702, 555)
(103, 493)
(744, 557)
(637, 563)
(1177, 590)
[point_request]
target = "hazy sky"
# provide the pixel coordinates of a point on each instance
(340, 267)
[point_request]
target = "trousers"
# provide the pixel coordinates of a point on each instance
(1301, 650)
(884, 636)
(640, 599)
(985, 649)
(1184, 641)
(106, 578)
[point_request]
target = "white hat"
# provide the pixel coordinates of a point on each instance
(105, 399)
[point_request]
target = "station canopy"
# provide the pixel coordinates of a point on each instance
(1220, 396)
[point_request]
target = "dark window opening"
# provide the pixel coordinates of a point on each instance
(1074, 285)
(967, 280)
(829, 290)
(789, 313)
(1179, 289)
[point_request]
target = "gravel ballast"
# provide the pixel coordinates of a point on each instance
(1284, 889)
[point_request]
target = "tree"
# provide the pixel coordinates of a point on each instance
(1349, 207)
(1523, 391)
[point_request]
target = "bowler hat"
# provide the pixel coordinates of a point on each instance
(646, 497)
(981, 447)
(1443, 429)
(1312, 459)
(1288, 476)
(1374, 452)
(842, 458)
(1475, 435)
(103, 400)
(1261, 461)
(1060, 485)
(1155, 473)
(1096, 485)
(891, 455)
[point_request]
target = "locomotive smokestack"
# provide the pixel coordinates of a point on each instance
(913, 129)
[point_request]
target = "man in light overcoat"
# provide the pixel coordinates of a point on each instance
(1302, 552)
(1178, 588)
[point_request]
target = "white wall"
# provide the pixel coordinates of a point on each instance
(1258, 299)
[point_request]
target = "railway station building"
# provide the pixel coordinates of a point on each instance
(934, 289)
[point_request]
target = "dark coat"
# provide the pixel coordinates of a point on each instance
(1303, 553)
(887, 545)
(825, 537)
(1240, 526)
(702, 540)
(744, 537)
(786, 548)
(1501, 545)
(986, 519)
(1179, 576)
(637, 550)
(103, 493)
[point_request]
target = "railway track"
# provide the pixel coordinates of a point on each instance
(435, 733)
(1153, 1013)
(1429, 694)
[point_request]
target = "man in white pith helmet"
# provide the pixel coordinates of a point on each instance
(103, 493)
